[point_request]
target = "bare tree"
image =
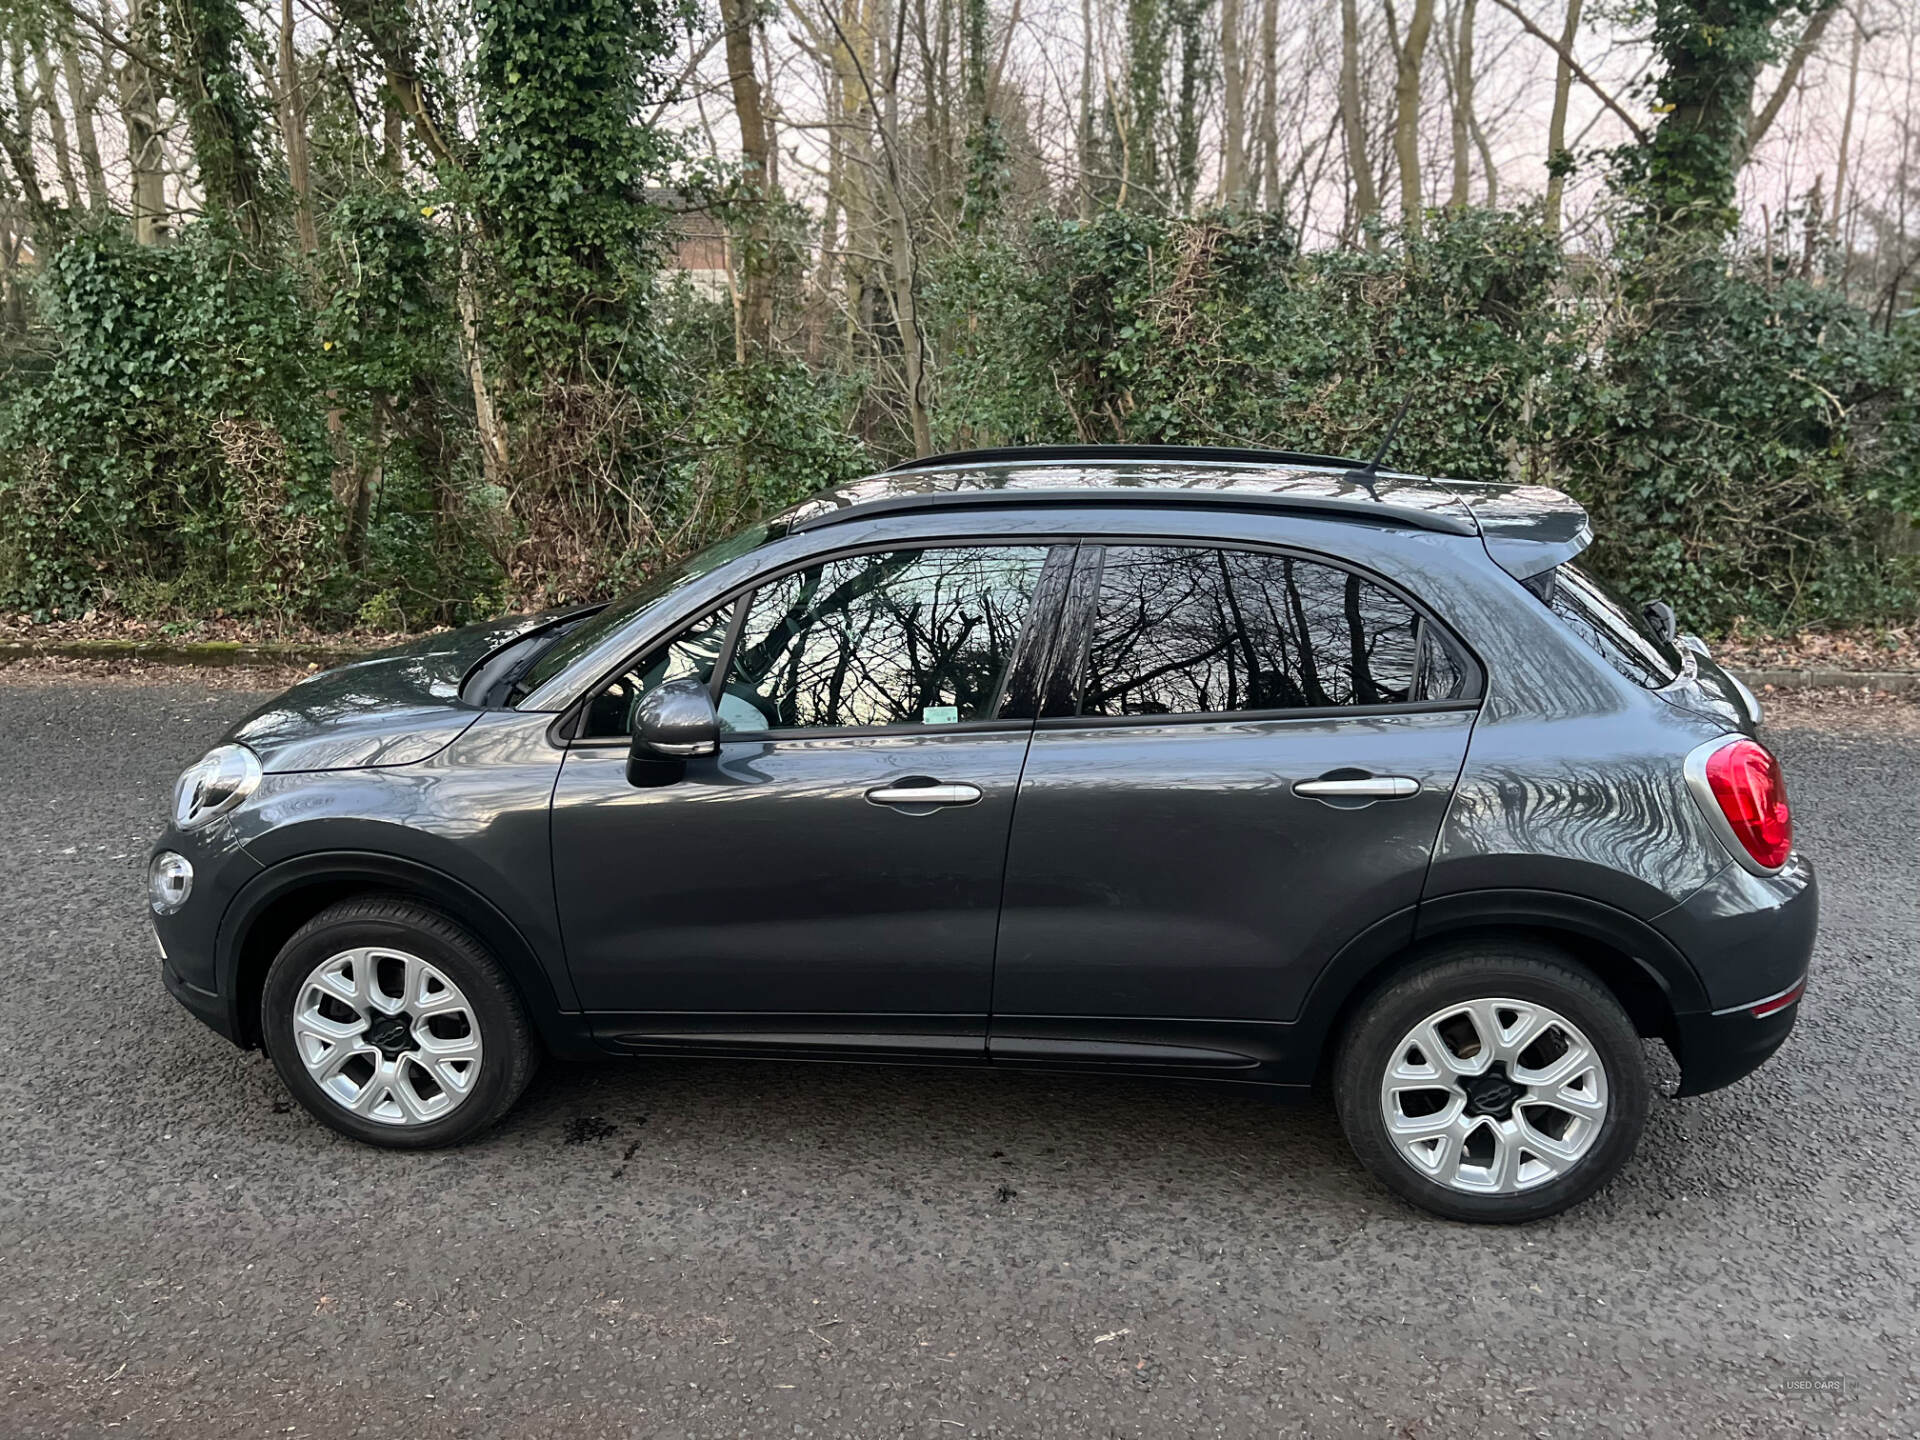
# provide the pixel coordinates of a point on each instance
(1846, 128)
(1410, 53)
(1366, 201)
(84, 95)
(1270, 102)
(140, 115)
(753, 329)
(293, 135)
(1462, 118)
(1233, 103)
(1558, 158)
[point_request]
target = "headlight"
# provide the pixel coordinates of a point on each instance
(213, 785)
(169, 882)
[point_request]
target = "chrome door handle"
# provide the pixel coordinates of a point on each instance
(1373, 787)
(925, 795)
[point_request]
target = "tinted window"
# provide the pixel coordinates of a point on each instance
(1182, 631)
(1618, 635)
(907, 637)
(583, 638)
(690, 655)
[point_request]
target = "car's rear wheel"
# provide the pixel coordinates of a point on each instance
(392, 1024)
(1501, 1083)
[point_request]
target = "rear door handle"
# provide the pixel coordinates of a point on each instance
(1371, 787)
(925, 795)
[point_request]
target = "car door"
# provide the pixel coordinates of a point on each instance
(832, 875)
(1243, 762)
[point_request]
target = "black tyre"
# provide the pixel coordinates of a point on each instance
(1500, 1083)
(393, 1025)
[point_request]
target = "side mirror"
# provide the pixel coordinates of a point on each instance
(1660, 616)
(671, 725)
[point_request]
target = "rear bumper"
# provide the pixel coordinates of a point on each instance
(1750, 940)
(1716, 1049)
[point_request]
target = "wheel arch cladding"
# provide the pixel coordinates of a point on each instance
(278, 901)
(1652, 981)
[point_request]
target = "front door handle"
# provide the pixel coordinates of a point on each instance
(925, 795)
(1369, 787)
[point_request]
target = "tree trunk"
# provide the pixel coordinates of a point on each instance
(1406, 124)
(83, 97)
(1559, 162)
(1188, 18)
(293, 134)
(206, 39)
(756, 305)
(1846, 132)
(368, 472)
(1233, 101)
(140, 113)
(43, 215)
(1487, 167)
(56, 126)
(821, 304)
(494, 454)
(1083, 136)
(1710, 53)
(1803, 48)
(1270, 103)
(1146, 98)
(1366, 201)
(1463, 105)
(906, 298)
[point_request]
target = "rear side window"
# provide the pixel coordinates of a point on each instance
(1615, 633)
(1185, 630)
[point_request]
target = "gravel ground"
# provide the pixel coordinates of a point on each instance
(709, 1249)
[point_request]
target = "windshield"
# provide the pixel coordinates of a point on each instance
(1620, 635)
(583, 638)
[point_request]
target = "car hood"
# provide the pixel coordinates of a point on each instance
(393, 708)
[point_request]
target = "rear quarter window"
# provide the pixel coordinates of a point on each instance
(1611, 629)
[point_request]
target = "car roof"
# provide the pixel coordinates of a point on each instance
(1526, 528)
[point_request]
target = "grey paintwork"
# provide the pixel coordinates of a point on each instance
(1157, 897)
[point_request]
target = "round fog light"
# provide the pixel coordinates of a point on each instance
(169, 882)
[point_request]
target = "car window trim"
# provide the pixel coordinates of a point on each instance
(742, 599)
(1092, 556)
(1230, 717)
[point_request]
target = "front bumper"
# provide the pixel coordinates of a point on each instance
(205, 1005)
(187, 938)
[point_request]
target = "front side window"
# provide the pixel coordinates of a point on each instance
(1183, 630)
(904, 637)
(690, 655)
(578, 640)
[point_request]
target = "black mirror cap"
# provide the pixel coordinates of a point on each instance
(675, 722)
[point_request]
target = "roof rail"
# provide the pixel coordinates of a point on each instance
(1191, 454)
(1455, 522)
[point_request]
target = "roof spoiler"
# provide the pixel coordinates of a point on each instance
(1527, 529)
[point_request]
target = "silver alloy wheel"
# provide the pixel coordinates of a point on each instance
(1494, 1096)
(387, 1036)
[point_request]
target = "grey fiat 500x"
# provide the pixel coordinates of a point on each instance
(1241, 765)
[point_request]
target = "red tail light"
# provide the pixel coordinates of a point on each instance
(1743, 781)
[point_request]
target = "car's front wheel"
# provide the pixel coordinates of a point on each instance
(393, 1025)
(1500, 1084)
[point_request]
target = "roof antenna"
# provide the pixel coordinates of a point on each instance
(1364, 476)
